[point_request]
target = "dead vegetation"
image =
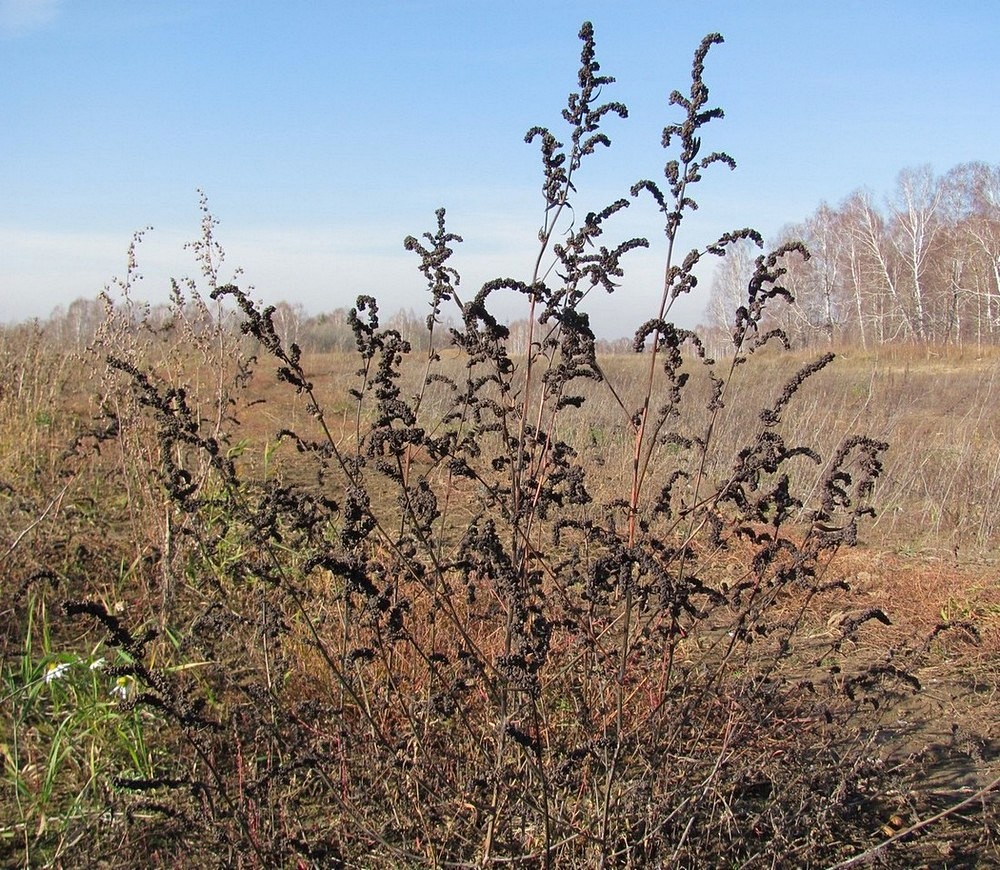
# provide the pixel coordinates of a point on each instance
(479, 609)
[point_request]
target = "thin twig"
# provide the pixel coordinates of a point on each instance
(33, 524)
(954, 808)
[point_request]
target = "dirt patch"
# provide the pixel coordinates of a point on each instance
(941, 732)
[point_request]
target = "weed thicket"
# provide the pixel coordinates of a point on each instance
(423, 632)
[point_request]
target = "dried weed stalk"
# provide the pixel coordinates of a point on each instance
(434, 639)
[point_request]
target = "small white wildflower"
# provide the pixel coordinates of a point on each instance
(56, 671)
(122, 688)
(97, 664)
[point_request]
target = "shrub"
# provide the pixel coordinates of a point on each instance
(463, 623)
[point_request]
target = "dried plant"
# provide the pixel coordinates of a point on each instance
(428, 635)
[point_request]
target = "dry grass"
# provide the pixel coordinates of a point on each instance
(480, 610)
(902, 569)
(939, 410)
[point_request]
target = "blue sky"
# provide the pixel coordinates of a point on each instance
(324, 133)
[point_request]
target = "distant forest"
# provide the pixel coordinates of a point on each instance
(923, 266)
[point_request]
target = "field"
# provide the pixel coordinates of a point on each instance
(367, 645)
(478, 596)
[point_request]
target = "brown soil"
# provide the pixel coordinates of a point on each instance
(945, 736)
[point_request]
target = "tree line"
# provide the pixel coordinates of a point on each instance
(76, 325)
(922, 266)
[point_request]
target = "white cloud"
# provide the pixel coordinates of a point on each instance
(18, 17)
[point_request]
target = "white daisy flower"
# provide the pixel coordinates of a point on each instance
(122, 688)
(56, 671)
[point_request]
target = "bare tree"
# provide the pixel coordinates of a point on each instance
(972, 209)
(728, 290)
(822, 307)
(915, 226)
(895, 321)
(288, 320)
(865, 302)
